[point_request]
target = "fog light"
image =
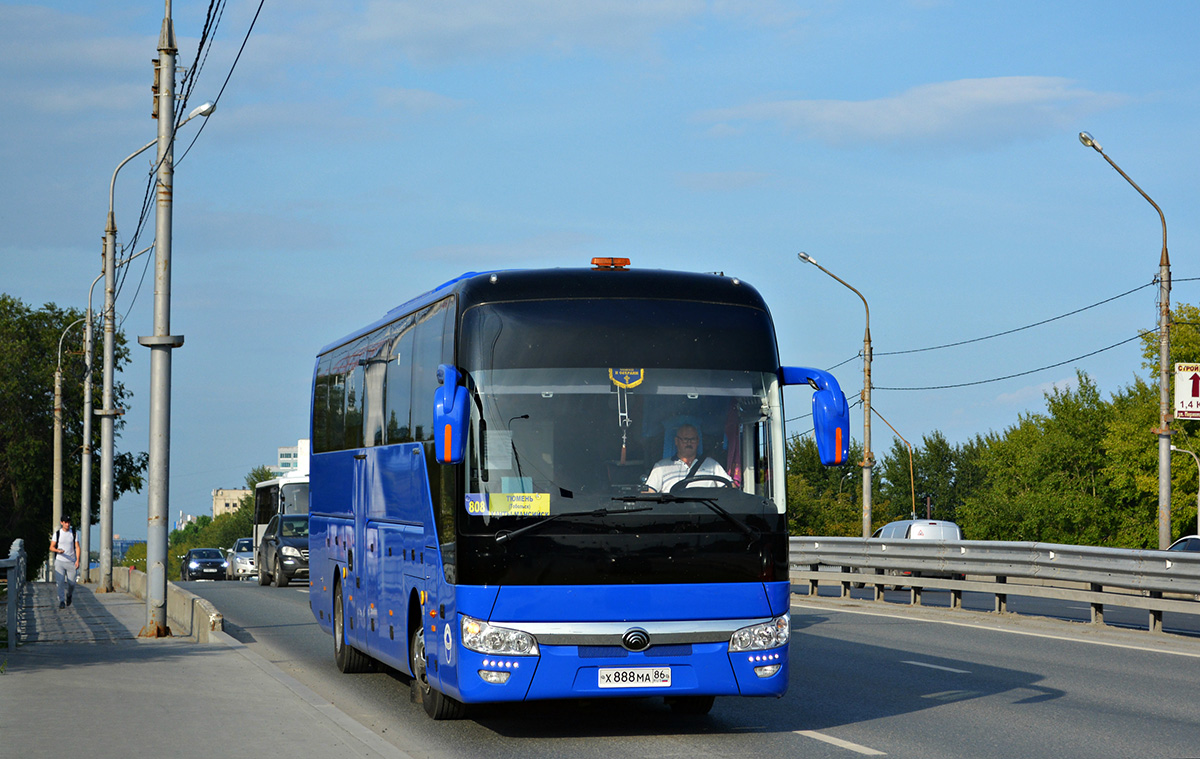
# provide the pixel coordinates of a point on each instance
(768, 670)
(496, 678)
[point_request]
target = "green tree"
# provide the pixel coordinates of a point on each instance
(1045, 477)
(940, 474)
(825, 500)
(29, 342)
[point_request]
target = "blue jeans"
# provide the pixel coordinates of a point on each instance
(64, 578)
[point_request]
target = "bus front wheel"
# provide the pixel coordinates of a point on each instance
(437, 705)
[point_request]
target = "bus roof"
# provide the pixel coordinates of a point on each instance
(475, 288)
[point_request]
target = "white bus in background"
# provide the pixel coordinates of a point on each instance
(287, 494)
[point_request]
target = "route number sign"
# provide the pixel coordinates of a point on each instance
(1187, 391)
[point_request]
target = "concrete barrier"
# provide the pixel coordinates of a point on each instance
(188, 615)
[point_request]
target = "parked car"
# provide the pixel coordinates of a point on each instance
(202, 564)
(1186, 543)
(240, 560)
(921, 529)
(282, 554)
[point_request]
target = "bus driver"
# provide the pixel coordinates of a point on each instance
(684, 465)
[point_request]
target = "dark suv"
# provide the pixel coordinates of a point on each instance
(282, 554)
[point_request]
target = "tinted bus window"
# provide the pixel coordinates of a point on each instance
(399, 386)
(639, 333)
(353, 435)
(320, 413)
(427, 354)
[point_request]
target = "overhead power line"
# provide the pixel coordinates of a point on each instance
(1019, 329)
(1022, 374)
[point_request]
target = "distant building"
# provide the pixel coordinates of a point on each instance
(291, 459)
(227, 500)
(184, 520)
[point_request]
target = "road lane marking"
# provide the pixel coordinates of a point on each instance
(864, 750)
(992, 628)
(937, 666)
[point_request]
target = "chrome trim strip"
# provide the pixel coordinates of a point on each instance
(611, 633)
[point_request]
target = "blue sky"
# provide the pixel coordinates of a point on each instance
(362, 152)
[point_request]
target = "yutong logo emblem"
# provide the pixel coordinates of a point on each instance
(636, 639)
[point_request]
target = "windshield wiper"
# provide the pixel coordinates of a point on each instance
(503, 536)
(709, 502)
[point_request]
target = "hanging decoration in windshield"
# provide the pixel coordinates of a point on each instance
(625, 379)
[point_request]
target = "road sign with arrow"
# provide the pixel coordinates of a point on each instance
(1187, 391)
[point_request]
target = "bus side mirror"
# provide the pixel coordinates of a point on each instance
(831, 413)
(451, 412)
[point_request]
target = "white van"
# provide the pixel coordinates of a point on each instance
(920, 529)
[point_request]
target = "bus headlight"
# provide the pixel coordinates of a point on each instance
(762, 636)
(478, 635)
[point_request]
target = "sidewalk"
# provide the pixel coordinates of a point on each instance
(83, 684)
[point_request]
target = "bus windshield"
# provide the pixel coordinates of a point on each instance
(576, 474)
(293, 498)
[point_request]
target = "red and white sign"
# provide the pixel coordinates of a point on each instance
(1187, 391)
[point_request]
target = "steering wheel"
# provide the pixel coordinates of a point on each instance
(723, 481)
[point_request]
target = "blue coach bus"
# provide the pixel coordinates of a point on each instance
(487, 508)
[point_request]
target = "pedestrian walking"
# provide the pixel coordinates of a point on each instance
(66, 561)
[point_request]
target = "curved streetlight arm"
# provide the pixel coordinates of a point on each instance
(809, 259)
(1090, 142)
(112, 185)
(64, 336)
(201, 110)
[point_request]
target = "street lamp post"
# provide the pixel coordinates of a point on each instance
(1197, 458)
(868, 458)
(109, 413)
(85, 460)
(56, 485)
(1164, 351)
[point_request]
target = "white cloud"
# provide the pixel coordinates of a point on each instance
(968, 111)
(458, 29)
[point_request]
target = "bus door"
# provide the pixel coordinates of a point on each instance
(356, 593)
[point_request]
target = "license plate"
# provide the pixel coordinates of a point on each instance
(635, 677)
(210, 570)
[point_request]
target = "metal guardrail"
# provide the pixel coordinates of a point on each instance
(1097, 576)
(15, 568)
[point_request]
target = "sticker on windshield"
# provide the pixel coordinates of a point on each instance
(508, 504)
(627, 378)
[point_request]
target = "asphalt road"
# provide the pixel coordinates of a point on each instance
(865, 681)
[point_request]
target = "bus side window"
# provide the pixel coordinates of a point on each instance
(427, 354)
(320, 410)
(398, 405)
(354, 409)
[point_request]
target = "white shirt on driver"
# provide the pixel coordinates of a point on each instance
(668, 472)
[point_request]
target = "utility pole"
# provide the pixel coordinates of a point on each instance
(85, 462)
(1165, 412)
(161, 343)
(868, 461)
